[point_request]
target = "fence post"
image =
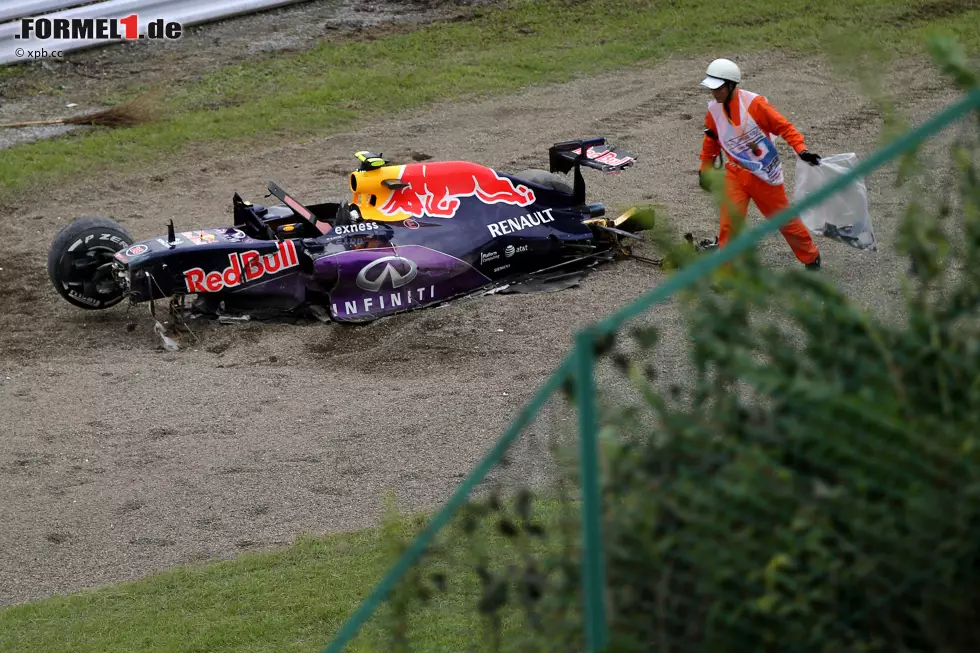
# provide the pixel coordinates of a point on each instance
(349, 629)
(593, 558)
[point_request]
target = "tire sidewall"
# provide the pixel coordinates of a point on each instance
(83, 235)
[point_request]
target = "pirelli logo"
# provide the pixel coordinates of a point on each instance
(98, 29)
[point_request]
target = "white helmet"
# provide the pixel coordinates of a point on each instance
(721, 71)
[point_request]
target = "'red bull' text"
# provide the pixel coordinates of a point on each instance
(242, 268)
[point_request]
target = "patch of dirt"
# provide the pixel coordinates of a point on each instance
(118, 458)
(930, 11)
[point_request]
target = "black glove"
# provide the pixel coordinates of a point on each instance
(810, 157)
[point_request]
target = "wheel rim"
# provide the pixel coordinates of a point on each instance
(89, 273)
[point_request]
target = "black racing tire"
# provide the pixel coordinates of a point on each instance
(79, 262)
(545, 178)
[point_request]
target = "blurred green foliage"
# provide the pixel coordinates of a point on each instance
(815, 486)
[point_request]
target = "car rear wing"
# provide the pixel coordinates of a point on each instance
(590, 152)
(562, 157)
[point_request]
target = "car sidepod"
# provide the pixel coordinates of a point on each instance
(372, 283)
(519, 242)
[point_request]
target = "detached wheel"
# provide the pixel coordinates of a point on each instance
(546, 179)
(80, 262)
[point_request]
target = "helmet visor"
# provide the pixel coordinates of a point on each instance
(712, 82)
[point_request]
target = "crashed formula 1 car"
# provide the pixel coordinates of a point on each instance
(412, 236)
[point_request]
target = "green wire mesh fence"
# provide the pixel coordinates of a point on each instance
(576, 376)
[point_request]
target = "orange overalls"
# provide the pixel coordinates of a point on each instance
(759, 177)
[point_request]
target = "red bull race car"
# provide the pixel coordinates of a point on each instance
(412, 235)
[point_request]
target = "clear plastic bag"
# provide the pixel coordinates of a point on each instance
(842, 216)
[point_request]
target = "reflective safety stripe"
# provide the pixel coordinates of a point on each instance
(746, 144)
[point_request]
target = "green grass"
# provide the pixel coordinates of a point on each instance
(291, 600)
(335, 85)
(287, 601)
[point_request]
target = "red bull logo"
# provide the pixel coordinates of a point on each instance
(434, 189)
(242, 268)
